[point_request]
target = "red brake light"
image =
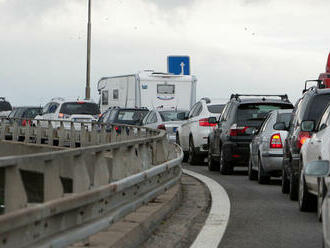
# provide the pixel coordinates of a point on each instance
(80, 102)
(24, 123)
(205, 123)
(275, 141)
(161, 126)
(302, 137)
(235, 130)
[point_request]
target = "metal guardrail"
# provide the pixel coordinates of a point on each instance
(68, 133)
(80, 193)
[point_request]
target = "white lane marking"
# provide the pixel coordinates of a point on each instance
(216, 223)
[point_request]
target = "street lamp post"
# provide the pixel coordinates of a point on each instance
(88, 88)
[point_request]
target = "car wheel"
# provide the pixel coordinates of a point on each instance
(211, 163)
(252, 173)
(321, 193)
(185, 154)
(263, 178)
(226, 167)
(285, 182)
(193, 158)
(306, 200)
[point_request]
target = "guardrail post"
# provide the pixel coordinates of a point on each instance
(145, 153)
(15, 131)
(50, 133)
(27, 133)
(38, 138)
(61, 134)
(52, 183)
(72, 135)
(3, 129)
(15, 194)
(81, 179)
(83, 136)
(101, 172)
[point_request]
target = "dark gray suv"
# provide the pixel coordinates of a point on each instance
(229, 142)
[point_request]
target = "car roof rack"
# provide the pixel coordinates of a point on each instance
(283, 97)
(319, 85)
(206, 99)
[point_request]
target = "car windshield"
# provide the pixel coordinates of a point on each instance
(131, 115)
(172, 115)
(86, 108)
(5, 106)
(216, 109)
(284, 117)
(253, 114)
(317, 107)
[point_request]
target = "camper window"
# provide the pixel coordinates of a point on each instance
(105, 97)
(115, 94)
(165, 88)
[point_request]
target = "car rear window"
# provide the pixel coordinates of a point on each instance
(284, 117)
(172, 115)
(131, 115)
(31, 113)
(258, 111)
(5, 106)
(87, 108)
(216, 109)
(317, 107)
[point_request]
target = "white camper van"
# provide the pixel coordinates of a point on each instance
(147, 89)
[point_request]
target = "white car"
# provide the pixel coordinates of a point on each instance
(168, 120)
(266, 147)
(59, 109)
(193, 133)
(312, 190)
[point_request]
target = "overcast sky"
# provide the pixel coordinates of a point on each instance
(244, 46)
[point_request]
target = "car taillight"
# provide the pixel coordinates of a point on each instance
(24, 123)
(61, 115)
(205, 123)
(302, 137)
(235, 130)
(161, 126)
(275, 141)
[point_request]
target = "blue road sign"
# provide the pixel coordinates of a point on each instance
(179, 65)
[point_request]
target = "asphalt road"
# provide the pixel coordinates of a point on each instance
(261, 216)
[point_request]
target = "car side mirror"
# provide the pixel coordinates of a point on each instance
(307, 126)
(317, 168)
(213, 120)
(280, 126)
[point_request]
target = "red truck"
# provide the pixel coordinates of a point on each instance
(325, 77)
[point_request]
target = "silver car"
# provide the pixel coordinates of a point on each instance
(168, 120)
(266, 148)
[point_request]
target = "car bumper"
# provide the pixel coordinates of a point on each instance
(272, 161)
(238, 152)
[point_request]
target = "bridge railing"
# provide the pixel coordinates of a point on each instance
(68, 133)
(83, 190)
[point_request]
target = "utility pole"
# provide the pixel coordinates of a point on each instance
(88, 72)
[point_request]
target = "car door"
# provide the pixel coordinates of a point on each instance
(257, 142)
(314, 151)
(185, 128)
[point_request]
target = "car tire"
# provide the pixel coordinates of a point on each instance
(263, 178)
(193, 158)
(185, 154)
(226, 167)
(307, 202)
(294, 187)
(321, 193)
(252, 173)
(285, 187)
(211, 163)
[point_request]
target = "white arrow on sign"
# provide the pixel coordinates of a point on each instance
(182, 68)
